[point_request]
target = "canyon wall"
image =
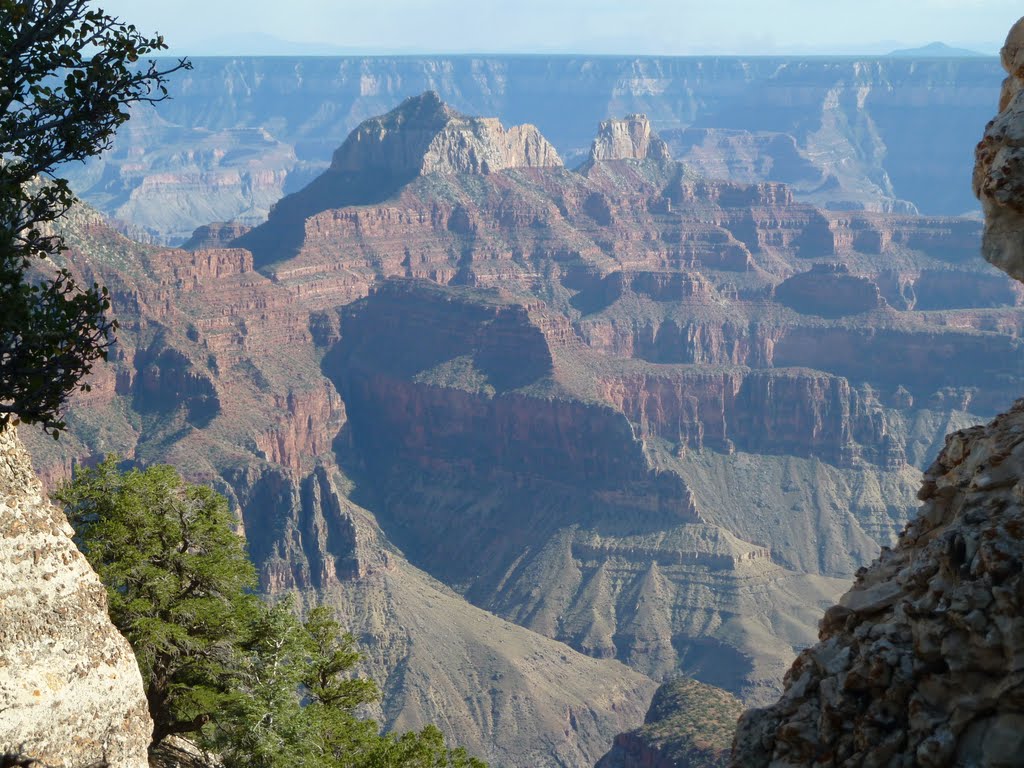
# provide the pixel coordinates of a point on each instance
(603, 415)
(886, 134)
(917, 663)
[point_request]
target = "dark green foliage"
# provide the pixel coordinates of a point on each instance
(251, 681)
(692, 724)
(178, 580)
(68, 72)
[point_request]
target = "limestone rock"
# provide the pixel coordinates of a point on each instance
(70, 689)
(999, 166)
(628, 139)
(424, 135)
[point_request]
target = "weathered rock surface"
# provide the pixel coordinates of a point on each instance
(999, 168)
(70, 689)
(919, 664)
(628, 139)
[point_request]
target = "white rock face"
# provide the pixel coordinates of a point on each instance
(628, 139)
(424, 135)
(70, 690)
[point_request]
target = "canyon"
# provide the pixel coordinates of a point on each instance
(885, 134)
(549, 436)
(917, 663)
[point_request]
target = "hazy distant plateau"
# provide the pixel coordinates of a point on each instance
(879, 134)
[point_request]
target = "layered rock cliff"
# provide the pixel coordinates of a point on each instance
(919, 663)
(424, 135)
(198, 380)
(884, 134)
(70, 690)
(601, 414)
(628, 139)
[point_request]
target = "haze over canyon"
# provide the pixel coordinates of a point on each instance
(560, 378)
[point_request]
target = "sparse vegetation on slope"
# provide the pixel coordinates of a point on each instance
(251, 681)
(689, 725)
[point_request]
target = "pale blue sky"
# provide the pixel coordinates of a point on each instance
(570, 26)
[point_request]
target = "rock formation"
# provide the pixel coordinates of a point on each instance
(70, 689)
(919, 664)
(999, 170)
(570, 410)
(424, 135)
(844, 132)
(689, 725)
(628, 139)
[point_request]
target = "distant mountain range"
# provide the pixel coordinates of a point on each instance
(936, 51)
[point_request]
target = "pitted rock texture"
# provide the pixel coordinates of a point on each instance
(70, 689)
(424, 135)
(999, 166)
(628, 139)
(920, 663)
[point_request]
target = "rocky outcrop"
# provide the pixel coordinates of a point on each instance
(919, 663)
(424, 135)
(628, 139)
(689, 725)
(70, 689)
(829, 290)
(215, 235)
(999, 168)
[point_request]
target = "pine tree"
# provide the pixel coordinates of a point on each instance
(249, 680)
(179, 583)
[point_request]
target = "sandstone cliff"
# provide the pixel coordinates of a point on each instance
(919, 663)
(844, 132)
(70, 690)
(628, 139)
(601, 414)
